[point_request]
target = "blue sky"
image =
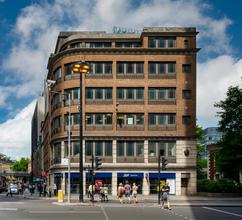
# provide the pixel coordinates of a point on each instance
(29, 29)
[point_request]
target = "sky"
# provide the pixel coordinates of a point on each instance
(29, 30)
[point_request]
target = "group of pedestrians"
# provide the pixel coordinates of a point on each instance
(102, 192)
(45, 190)
(126, 191)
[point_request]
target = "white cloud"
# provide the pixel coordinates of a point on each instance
(15, 133)
(214, 77)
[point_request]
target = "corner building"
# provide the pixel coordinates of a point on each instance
(139, 99)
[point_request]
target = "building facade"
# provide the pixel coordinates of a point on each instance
(139, 101)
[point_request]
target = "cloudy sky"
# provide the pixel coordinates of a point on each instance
(29, 29)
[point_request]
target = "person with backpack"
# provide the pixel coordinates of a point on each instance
(120, 193)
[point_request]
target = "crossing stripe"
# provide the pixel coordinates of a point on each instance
(229, 213)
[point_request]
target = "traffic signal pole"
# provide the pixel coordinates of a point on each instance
(159, 179)
(93, 184)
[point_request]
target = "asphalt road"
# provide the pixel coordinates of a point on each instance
(17, 207)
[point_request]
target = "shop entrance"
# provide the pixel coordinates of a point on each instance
(184, 184)
(154, 185)
(138, 181)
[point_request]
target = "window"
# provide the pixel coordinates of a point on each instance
(128, 44)
(57, 99)
(129, 68)
(98, 119)
(89, 119)
(130, 149)
(130, 96)
(161, 42)
(74, 146)
(186, 94)
(57, 122)
(161, 68)
(98, 44)
(75, 119)
(89, 148)
(74, 93)
(120, 149)
(99, 96)
(165, 96)
(161, 119)
(130, 119)
(100, 68)
(164, 148)
(186, 68)
(99, 148)
(57, 74)
(108, 148)
(76, 45)
(186, 120)
(57, 149)
(185, 42)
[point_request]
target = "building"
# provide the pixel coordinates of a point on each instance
(139, 100)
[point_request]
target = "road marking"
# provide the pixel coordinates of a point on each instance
(217, 210)
(8, 209)
(70, 212)
(105, 214)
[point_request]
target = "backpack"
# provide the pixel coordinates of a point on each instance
(121, 190)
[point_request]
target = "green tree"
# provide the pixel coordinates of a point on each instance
(21, 165)
(229, 155)
(200, 149)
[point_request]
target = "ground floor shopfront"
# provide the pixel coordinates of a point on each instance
(180, 183)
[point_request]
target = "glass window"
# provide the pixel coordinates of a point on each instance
(152, 68)
(120, 119)
(171, 43)
(108, 94)
(161, 93)
(66, 149)
(185, 42)
(89, 93)
(161, 119)
(76, 119)
(76, 92)
(161, 42)
(130, 119)
(98, 93)
(161, 68)
(68, 91)
(152, 119)
(171, 119)
(137, 45)
(76, 148)
(99, 68)
(171, 93)
(139, 119)
(57, 148)
(139, 67)
(120, 149)
(109, 44)
(152, 93)
(98, 45)
(57, 98)
(91, 68)
(139, 149)
(186, 68)
(186, 120)
(171, 67)
(129, 149)
(108, 119)
(127, 44)
(162, 148)
(171, 149)
(129, 67)
(118, 44)
(89, 148)
(151, 42)
(120, 67)
(186, 94)
(89, 119)
(57, 122)
(120, 93)
(98, 119)
(108, 148)
(129, 93)
(152, 148)
(57, 73)
(108, 67)
(140, 93)
(67, 120)
(98, 148)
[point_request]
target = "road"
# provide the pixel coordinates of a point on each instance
(20, 208)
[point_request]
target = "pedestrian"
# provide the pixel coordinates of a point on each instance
(127, 189)
(22, 188)
(48, 191)
(120, 193)
(40, 188)
(101, 193)
(55, 189)
(90, 190)
(30, 188)
(33, 187)
(134, 190)
(165, 195)
(45, 189)
(105, 190)
(9, 191)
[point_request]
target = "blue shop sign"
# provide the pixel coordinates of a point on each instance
(58, 175)
(97, 175)
(130, 175)
(162, 175)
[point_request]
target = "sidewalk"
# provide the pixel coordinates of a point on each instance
(193, 201)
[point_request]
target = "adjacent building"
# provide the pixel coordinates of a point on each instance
(139, 101)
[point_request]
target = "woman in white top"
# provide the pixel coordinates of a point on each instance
(134, 194)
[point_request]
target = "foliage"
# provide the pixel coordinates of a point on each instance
(218, 186)
(229, 155)
(200, 149)
(21, 165)
(204, 163)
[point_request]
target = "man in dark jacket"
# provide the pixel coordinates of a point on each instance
(40, 189)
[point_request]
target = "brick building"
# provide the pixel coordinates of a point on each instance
(139, 98)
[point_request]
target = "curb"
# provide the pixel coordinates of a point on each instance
(72, 204)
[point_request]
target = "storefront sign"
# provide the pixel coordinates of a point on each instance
(58, 175)
(162, 175)
(96, 175)
(43, 174)
(130, 175)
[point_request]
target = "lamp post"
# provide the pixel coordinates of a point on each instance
(80, 67)
(69, 138)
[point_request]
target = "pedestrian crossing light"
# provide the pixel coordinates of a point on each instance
(98, 163)
(164, 163)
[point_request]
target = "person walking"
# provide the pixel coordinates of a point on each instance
(127, 189)
(165, 195)
(9, 191)
(134, 194)
(55, 189)
(105, 190)
(90, 190)
(40, 188)
(120, 193)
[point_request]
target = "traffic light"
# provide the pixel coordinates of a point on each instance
(164, 163)
(98, 163)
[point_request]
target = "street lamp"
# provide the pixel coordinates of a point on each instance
(80, 67)
(69, 137)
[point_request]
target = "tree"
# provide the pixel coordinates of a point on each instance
(21, 165)
(200, 149)
(229, 155)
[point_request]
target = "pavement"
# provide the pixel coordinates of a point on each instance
(151, 200)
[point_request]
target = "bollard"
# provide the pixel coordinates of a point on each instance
(60, 196)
